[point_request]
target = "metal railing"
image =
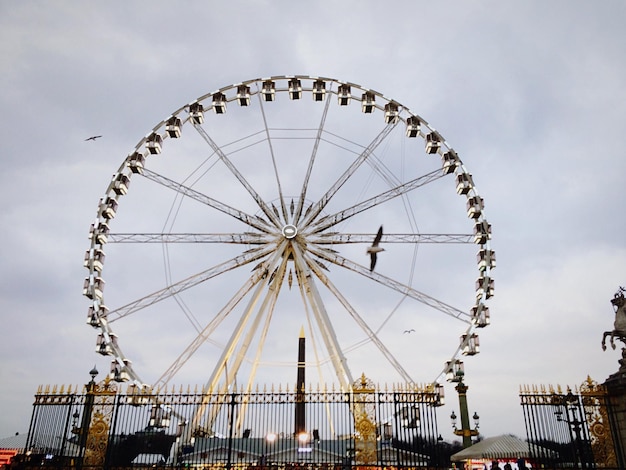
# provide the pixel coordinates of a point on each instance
(101, 427)
(571, 428)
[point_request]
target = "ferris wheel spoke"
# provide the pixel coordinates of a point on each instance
(312, 158)
(208, 330)
(255, 222)
(323, 320)
(392, 284)
(245, 238)
(401, 190)
(233, 169)
(273, 158)
(326, 197)
(358, 319)
(374, 162)
(180, 286)
(337, 238)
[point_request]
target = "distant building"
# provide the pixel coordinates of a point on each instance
(10, 446)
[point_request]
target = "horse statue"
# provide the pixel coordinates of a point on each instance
(619, 326)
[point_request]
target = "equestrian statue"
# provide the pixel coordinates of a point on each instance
(619, 326)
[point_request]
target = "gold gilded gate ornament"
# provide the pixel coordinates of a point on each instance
(102, 412)
(364, 421)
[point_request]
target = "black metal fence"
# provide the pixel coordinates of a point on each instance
(100, 427)
(571, 429)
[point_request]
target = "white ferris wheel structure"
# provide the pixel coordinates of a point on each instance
(249, 218)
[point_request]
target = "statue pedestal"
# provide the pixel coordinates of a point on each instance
(616, 394)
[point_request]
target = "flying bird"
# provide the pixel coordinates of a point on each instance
(93, 137)
(410, 331)
(375, 249)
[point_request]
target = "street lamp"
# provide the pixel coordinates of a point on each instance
(465, 430)
(575, 426)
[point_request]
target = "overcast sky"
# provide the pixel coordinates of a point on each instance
(531, 94)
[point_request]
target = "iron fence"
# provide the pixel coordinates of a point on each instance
(101, 427)
(571, 428)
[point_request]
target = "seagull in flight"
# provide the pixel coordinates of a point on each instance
(410, 331)
(375, 249)
(93, 137)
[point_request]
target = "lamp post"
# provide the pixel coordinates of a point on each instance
(83, 430)
(466, 432)
(574, 424)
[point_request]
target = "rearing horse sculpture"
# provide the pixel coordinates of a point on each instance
(619, 331)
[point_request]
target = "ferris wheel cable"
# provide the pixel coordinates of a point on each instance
(205, 334)
(245, 238)
(391, 283)
(330, 220)
(168, 280)
(227, 352)
(375, 162)
(391, 313)
(379, 167)
(173, 213)
(336, 238)
(371, 335)
(157, 296)
(180, 197)
(273, 158)
(243, 139)
(207, 200)
(307, 176)
(326, 197)
(324, 324)
(233, 169)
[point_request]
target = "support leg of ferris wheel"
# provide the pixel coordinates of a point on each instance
(209, 329)
(211, 384)
(357, 318)
(321, 315)
(265, 310)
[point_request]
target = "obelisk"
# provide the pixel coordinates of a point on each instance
(300, 418)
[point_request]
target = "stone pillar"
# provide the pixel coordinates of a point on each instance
(616, 396)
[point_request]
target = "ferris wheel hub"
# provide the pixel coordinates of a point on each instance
(290, 231)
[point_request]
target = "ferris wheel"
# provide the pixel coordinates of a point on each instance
(284, 205)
